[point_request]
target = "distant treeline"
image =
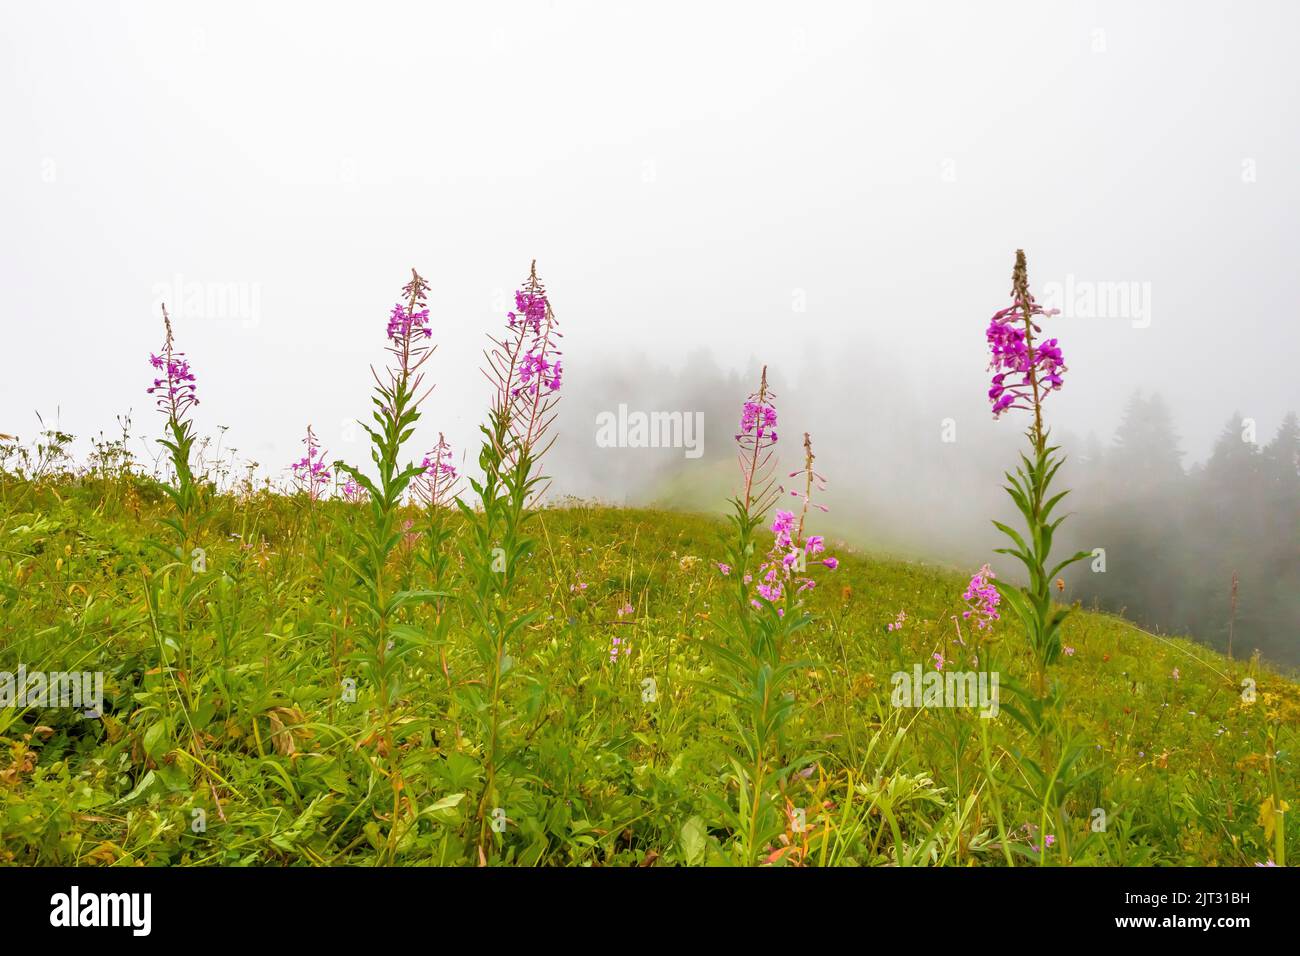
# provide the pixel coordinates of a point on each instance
(1176, 539)
(916, 470)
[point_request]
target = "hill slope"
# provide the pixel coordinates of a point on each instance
(243, 731)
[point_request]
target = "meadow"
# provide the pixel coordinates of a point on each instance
(248, 724)
(402, 665)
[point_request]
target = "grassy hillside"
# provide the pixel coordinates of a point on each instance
(229, 737)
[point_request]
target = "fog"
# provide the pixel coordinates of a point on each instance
(835, 191)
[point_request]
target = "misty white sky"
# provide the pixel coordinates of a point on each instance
(687, 176)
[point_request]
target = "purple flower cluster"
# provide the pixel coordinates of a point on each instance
(758, 423)
(411, 321)
(617, 644)
(1017, 362)
(524, 367)
(983, 598)
(784, 569)
(436, 464)
(175, 390)
(311, 472)
(532, 311)
(536, 372)
(439, 474)
(404, 325)
(755, 450)
(539, 367)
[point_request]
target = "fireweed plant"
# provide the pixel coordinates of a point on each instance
(1025, 373)
(753, 672)
(435, 493)
(168, 705)
(311, 479)
(523, 366)
(175, 394)
(311, 474)
(387, 642)
(238, 710)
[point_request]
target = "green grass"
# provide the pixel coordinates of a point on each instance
(234, 709)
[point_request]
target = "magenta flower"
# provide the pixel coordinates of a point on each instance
(536, 372)
(983, 599)
(532, 311)
(434, 463)
(754, 450)
(758, 419)
(724, 568)
(1024, 372)
(617, 645)
(525, 368)
(175, 391)
(311, 473)
(782, 572)
(437, 483)
(536, 363)
(408, 325)
(403, 325)
(782, 527)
